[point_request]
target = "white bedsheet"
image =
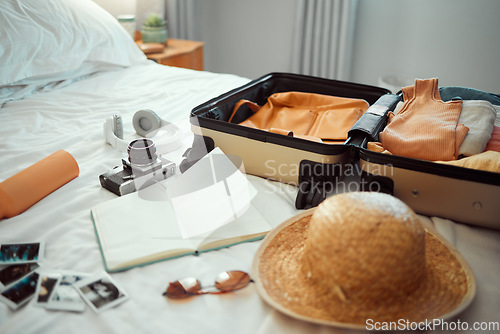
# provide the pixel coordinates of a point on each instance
(71, 118)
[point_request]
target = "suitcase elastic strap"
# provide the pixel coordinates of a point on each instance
(252, 105)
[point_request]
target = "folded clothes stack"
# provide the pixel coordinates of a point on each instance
(457, 131)
(479, 116)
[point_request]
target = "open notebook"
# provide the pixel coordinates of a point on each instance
(158, 223)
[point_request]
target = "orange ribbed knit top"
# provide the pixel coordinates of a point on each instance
(426, 127)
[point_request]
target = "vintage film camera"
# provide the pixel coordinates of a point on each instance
(143, 168)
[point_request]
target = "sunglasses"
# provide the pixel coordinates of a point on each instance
(226, 282)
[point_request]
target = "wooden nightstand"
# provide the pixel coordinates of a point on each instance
(180, 53)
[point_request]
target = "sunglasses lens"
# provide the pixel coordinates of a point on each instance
(183, 288)
(232, 280)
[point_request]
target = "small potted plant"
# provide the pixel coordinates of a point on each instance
(154, 30)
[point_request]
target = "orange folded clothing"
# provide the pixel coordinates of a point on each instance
(22, 190)
(494, 142)
(426, 127)
(488, 161)
(376, 147)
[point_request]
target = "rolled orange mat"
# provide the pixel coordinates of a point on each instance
(22, 190)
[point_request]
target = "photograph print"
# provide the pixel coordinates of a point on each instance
(21, 291)
(65, 296)
(10, 274)
(45, 288)
(101, 292)
(25, 252)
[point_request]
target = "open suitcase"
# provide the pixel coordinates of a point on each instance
(461, 194)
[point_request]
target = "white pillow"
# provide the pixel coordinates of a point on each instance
(46, 39)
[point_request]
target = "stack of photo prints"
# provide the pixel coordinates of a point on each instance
(23, 278)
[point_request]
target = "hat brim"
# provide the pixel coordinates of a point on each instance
(449, 286)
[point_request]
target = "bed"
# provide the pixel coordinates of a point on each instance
(67, 66)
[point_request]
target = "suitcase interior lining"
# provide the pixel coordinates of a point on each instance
(215, 113)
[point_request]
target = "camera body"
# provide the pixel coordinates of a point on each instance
(143, 168)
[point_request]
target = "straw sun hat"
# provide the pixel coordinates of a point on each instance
(361, 256)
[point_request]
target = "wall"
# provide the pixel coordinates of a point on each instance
(457, 41)
(248, 38)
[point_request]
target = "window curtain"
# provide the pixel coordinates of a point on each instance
(323, 38)
(183, 19)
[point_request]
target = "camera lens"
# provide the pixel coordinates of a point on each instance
(141, 152)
